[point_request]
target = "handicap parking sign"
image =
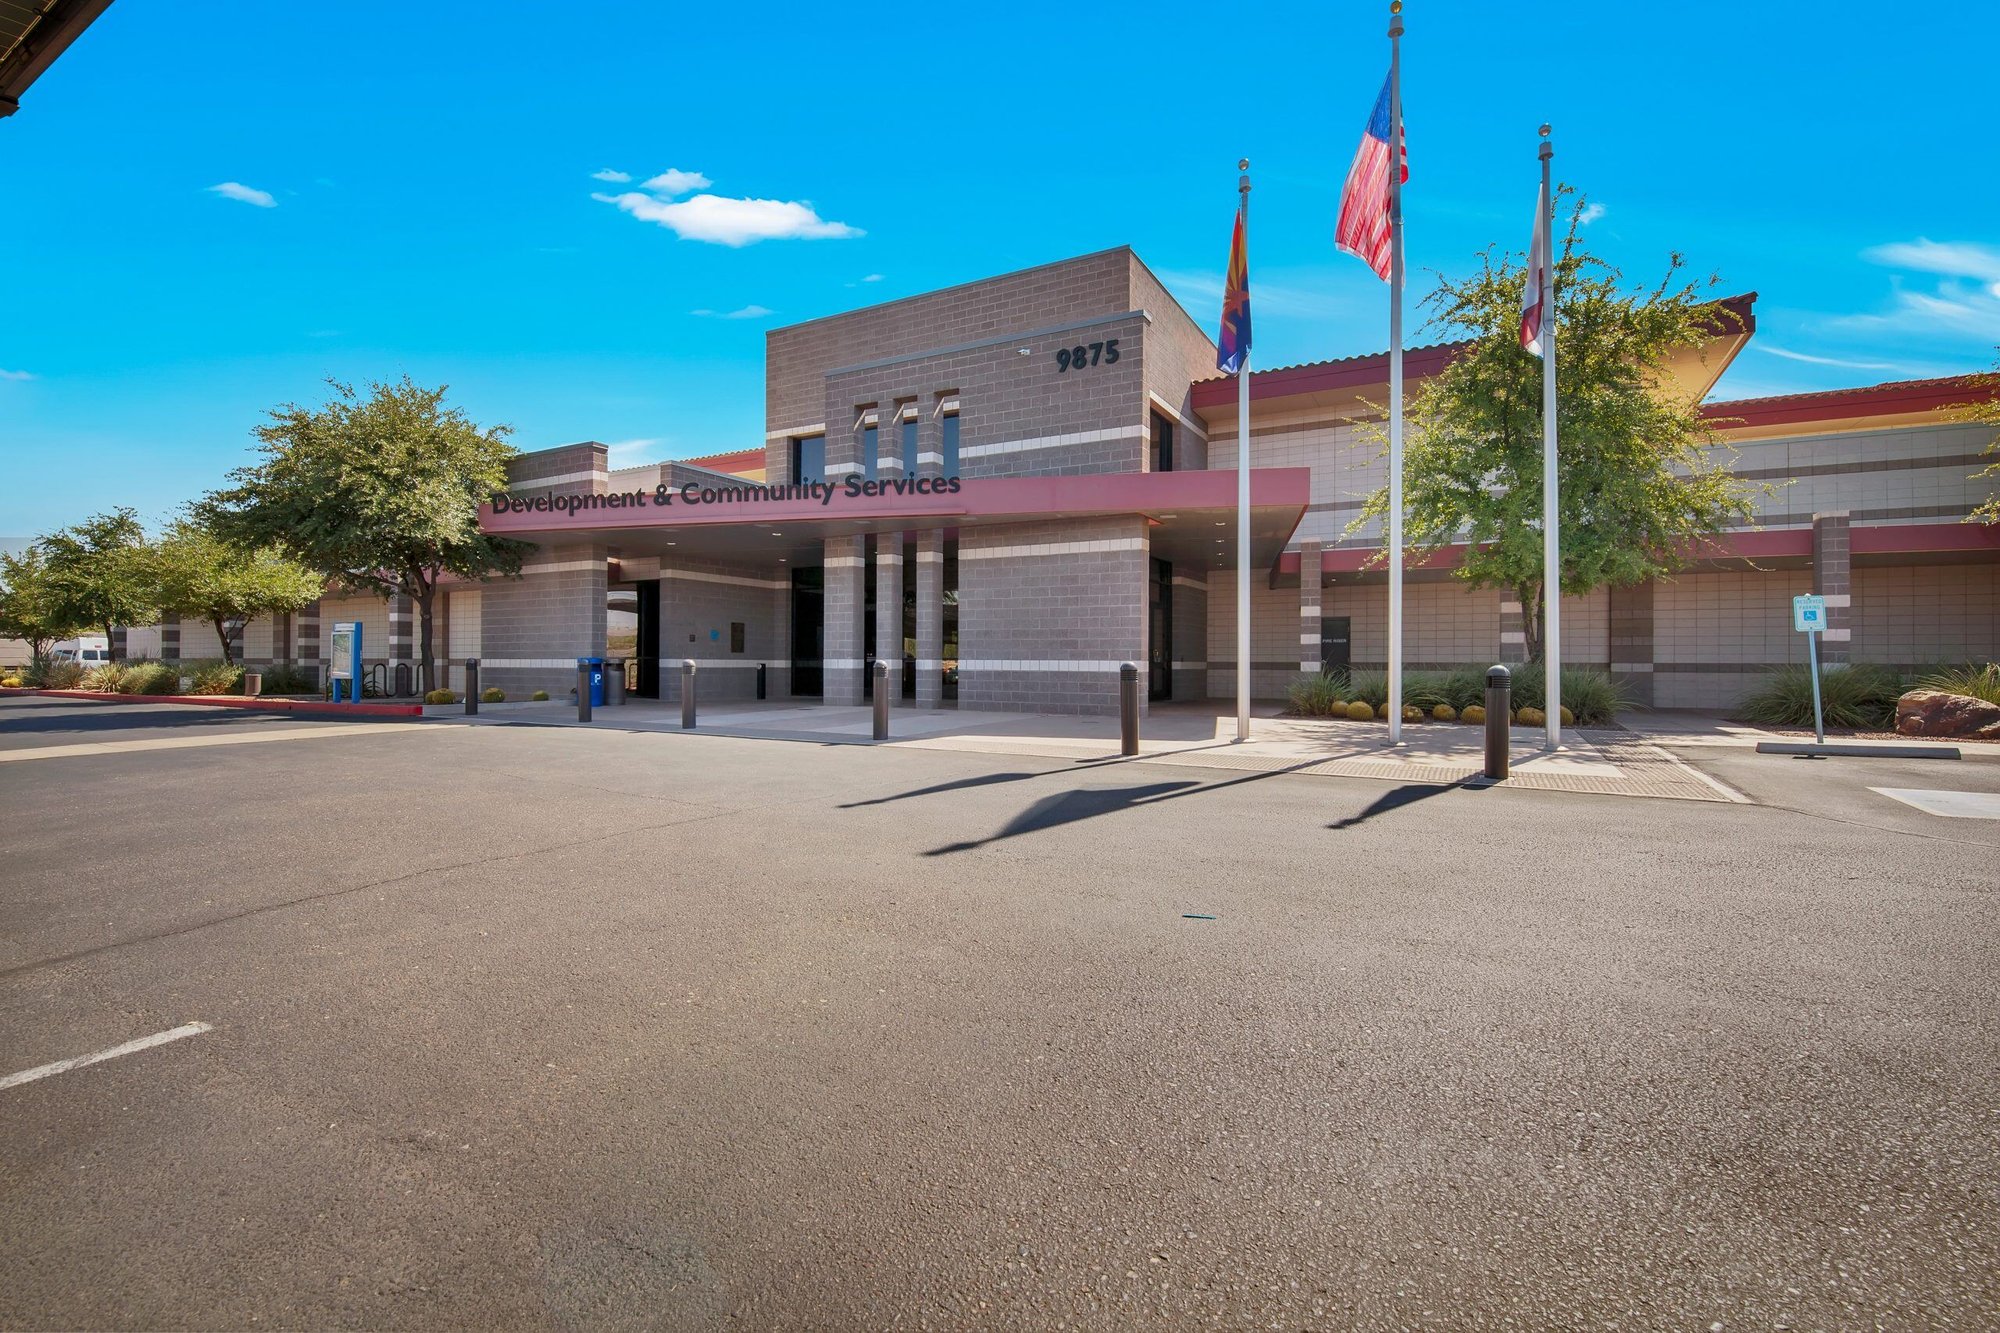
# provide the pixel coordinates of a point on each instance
(1809, 613)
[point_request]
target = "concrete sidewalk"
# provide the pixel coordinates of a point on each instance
(1606, 762)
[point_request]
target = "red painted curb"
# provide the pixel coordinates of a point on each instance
(307, 706)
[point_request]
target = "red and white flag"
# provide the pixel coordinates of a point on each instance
(1363, 227)
(1533, 316)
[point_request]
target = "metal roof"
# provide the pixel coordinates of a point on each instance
(32, 34)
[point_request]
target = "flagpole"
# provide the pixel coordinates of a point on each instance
(1243, 495)
(1551, 537)
(1395, 373)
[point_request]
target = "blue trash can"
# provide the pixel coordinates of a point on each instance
(596, 665)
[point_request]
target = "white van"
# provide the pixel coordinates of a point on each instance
(87, 650)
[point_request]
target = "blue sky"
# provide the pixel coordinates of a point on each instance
(410, 189)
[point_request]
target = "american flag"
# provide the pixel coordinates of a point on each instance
(1363, 230)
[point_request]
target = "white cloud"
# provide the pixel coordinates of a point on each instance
(673, 181)
(873, 277)
(15, 375)
(1955, 259)
(634, 453)
(719, 219)
(1591, 213)
(747, 312)
(1822, 360)
(243, 194)
(611, 177)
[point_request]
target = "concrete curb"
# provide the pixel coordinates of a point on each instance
(1858, 750)
(304, 707)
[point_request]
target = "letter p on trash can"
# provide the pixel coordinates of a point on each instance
(595, 667)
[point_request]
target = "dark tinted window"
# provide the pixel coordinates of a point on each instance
(809, 459)
(951, 446)
(1163, 444)
(871, 452)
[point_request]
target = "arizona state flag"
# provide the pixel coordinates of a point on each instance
(1232, 344)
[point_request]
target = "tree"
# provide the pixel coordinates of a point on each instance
(381, 493)
(30, 607)
(196, 572)
(1645, 480)
(100, 570)
(1987, 413)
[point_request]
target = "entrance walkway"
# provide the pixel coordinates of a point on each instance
(1606, 762)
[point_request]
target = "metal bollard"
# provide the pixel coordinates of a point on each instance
(881, 701)
(1499, 716)
(472, 687)
(760, 680)
(583, 694)
(1128, 708)
(687, 694)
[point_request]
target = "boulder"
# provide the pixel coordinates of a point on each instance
(1935, 713)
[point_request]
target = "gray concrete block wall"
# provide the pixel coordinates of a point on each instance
(1178, 353)
(532, 629)
(699, 601)
(1190, 652)
(930, 617)
(846, 610)
(888, 645)
(1047, 611)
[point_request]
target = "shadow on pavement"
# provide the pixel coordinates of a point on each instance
(100, 718)
(963, 784)
(1398, 797)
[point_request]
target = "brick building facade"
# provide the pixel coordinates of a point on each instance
(1006, 489)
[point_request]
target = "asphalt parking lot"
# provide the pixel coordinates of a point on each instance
(547, 1028)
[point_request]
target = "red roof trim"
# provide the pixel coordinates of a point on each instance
(740, 461)
(1358, 372)
(1873, 400)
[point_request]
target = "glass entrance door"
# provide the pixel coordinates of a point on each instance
(809, 632)
(1160, 631)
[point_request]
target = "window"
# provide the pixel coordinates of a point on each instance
(809, 459)
(950, 449)
(1163, 443)
(909, 445)
(871, 452)
(736, 636)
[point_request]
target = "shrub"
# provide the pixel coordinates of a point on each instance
(1568, 718)
(1360, 712)
(1369, 687)
(1530, 717)
(1445, 713)
(1852, 696)
(1475, 715)
(107, 678)
(1412, 713)
(56, 675)
(540, 696)
(1382, 711)
(10, 681)
(493, 694)
(1973, 681)
(149, 678)
(1314, 696)
(440, 697)
(210, 676)
(281, 678)
(1589, 696)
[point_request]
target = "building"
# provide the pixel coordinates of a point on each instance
(1006, 489)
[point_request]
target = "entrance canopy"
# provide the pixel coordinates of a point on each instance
(1191, 515)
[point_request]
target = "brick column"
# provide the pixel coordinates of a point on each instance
(1631, 624)
(889, 609)
(117, 644)
(1309, 608)
(846, 564)
(170, 638)
(930, 618)
(402, 633)
(1513, 630)
(307, 627)
(1831, 580)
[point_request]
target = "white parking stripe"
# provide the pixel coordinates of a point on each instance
(108, 1053)
(1948, 804)
(197, 742)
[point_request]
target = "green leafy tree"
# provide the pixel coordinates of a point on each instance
(30, 607)
(101, 572)
(1987, 413)
(381, 492)
(199, 573)
(1645, 480)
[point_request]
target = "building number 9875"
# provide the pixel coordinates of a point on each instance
(1086, 354)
